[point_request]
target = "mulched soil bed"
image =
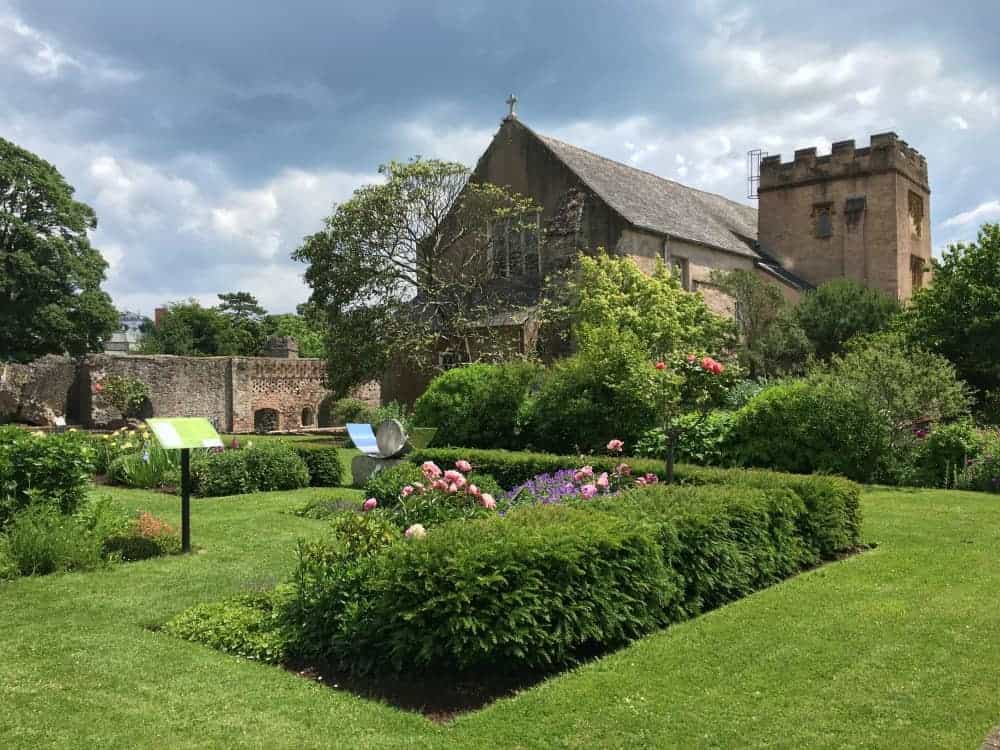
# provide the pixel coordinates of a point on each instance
(440, 698)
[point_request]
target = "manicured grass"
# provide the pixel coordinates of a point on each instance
(896, 647)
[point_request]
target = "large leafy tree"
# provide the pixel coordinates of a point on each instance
(400, 268)
(50, 275)
(841, 309)
(187, 329)
(958, 315)
(606, 296)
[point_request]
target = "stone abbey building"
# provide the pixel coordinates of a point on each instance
(859, 213)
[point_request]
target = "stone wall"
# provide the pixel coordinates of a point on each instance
(231, 392)
(37, 392)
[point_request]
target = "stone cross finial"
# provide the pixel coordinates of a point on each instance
(512, 106)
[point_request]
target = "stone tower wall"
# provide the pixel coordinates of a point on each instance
(877, 201)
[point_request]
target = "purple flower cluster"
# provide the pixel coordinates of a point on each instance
(546, 489)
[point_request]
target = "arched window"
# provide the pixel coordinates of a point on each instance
(308, 417)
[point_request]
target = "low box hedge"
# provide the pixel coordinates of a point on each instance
(833, 503)
(323, 463)
(262, 468)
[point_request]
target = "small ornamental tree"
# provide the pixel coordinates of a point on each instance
(687, 384)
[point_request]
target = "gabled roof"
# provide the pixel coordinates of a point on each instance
(650, 202)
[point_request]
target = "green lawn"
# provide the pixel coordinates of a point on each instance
(897, 647)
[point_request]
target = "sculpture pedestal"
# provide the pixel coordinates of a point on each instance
(362, 467)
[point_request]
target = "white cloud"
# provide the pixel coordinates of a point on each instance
(958, 122)
(982, 212)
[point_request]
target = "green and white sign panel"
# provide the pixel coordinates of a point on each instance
(185, 432)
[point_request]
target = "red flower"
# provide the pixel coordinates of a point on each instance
(98, 387)
(661, 365)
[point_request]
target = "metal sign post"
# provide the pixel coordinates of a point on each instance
(183, 434)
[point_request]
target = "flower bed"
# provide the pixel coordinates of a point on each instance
(549, 582)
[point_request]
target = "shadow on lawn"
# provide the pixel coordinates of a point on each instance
(440, 698)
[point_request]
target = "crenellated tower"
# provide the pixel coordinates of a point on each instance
(860, 213)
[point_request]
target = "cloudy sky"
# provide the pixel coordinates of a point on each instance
(212, 135)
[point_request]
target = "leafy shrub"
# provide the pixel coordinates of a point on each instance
(392, 410)
(261, 468)
(703, 441)
(41, 540)
(127, 394)
(362, 534)
(386, 485)
(742, 391)
(153, 467)
(841, 309)
(323, 463)
(319, 509)
(352, 410)
(8, 565)
(423, 497)
(530, 590)
(476, 405)
(146, 536)
(585, 400)
(249, 626)
(808, 426)
(54, 469)
(935, 457)
(982, 473)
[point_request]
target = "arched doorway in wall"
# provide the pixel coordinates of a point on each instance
(265, 420)
(308, 417)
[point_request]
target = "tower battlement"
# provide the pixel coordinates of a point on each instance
(886, 152)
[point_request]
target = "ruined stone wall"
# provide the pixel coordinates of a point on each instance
(228, 391)
(178, 386)
(37, 392)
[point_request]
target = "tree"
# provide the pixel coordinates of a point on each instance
(243, 333)
(604, 296)
(400, 268)
(187, 329)
(50, 276)
(769, 338)
(958, 316)
(838, 310)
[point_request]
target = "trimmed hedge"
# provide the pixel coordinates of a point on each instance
(833, 503)
(529, 591)
(264, 467)
(323, 463)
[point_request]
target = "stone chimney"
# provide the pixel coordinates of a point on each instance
(158, 315)
(282, 347)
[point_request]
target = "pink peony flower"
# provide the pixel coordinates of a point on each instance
(584, 473)
(623, 470)
(463, 466)
(616, 445)
(439, 484)
(452, 488)
(488, 501)
(407, 490)
(452, 476)
(370, 504)
(416, 531)
(474, 490)
(602, 481)
(588, 490)
(430, 469)
(661, 365)
(651, 479)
